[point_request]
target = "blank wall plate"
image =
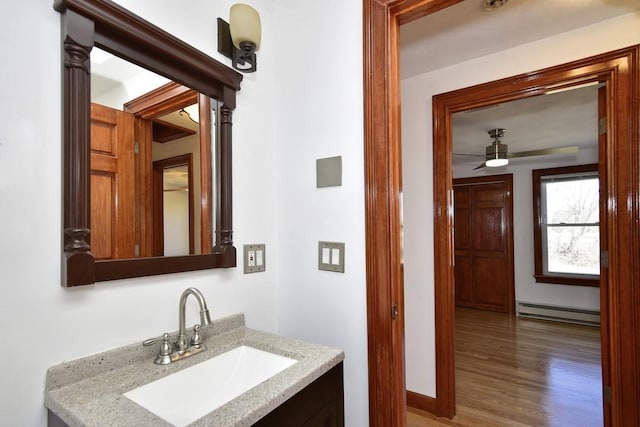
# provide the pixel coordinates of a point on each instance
(331, 256)
(255, 259)
(329, 172)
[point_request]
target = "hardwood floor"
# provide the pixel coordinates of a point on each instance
(520, 372)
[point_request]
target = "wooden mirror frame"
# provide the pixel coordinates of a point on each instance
(102, 23)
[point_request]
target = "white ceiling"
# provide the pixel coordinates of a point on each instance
(545, 121)
(466, 31)
(109, 71)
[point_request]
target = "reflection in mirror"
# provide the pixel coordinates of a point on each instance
(108, 146)
(175, 234)
(176, 160)
(122, 225)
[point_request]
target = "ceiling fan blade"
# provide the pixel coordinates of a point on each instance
(480, 166)
(546, 151)
(465, 154)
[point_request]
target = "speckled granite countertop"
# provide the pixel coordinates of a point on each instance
(89, 391)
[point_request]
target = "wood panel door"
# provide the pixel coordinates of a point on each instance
(483, 242)
(112, 183)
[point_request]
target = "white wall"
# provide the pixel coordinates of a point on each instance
(176, 222)
(417, 164)
(319, 114)
(526, 288)
(44, 324)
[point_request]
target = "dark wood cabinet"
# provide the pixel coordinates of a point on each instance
(320, 404)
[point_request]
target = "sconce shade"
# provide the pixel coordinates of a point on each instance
(244, 25)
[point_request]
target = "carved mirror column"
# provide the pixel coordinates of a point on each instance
(224, 229)
(78, 33)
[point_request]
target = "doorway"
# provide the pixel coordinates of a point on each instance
(173, 216)
(538, 136)
(505, 90)
(164, 121)
(383, 230)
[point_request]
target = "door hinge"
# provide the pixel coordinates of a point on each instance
(602, 126)
(394, 311)
(136, 147)
(136, 250)
(606, 393)
(604, 259)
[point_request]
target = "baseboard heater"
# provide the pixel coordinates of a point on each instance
(558, 314)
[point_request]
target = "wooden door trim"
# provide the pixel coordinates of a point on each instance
(387, 405)
(507, 180)
(382, 18)
(206, 175)
(604, 245)
(163, 100)
(620, 166)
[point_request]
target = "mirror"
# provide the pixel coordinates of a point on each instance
(183, 77)
(129, 149)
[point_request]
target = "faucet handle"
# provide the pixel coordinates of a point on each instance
(196, 338)
(164, 355)
(152, 341)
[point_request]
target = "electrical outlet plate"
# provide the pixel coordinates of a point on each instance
(255, 259)
(331, 256)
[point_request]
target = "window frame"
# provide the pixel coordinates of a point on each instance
(540, 275)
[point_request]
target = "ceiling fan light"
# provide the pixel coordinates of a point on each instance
(496, 163)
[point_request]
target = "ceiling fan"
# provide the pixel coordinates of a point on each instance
(497, 153)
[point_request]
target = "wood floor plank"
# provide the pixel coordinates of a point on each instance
(521, 372)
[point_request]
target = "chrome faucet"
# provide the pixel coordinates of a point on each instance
(180, 349)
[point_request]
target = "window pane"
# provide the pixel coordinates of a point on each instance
(570, 202)
(573, 250)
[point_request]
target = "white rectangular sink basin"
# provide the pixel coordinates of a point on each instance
(187, 395)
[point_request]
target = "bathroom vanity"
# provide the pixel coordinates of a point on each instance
(91, 391)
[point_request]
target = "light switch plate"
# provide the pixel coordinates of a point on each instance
(331, 256)
(255, 259)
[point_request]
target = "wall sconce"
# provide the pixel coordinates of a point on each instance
(239, 39)
(191, 112)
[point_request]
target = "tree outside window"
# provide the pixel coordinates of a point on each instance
(566, 225)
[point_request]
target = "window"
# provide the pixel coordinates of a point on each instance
(566, 225)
